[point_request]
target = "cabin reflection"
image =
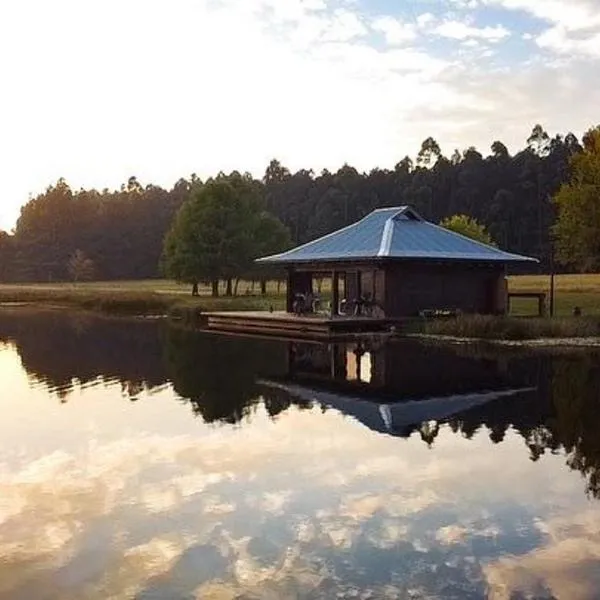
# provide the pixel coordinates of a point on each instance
(398, 387)
(401, 369)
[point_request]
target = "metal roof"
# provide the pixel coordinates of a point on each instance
(394, 233)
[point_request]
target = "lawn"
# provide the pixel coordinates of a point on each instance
(570, 291)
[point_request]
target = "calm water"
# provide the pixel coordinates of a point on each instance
(138, 461)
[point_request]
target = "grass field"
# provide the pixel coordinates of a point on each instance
(161, 296)
(570, 291)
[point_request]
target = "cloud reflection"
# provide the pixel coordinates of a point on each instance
(249, 514)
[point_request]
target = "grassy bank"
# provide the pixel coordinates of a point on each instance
(511, 328)
(132, 299)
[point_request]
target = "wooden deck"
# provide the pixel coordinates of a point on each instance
(283, 324)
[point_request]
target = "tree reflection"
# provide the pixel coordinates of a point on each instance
(562, 417)
(218, 374)
(63, 350)
(576, 426)
(220, 377)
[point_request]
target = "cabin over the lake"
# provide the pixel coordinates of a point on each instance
(401, 263)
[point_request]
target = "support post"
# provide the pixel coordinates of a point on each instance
(335, 288)
(290, 290)
(551, 279)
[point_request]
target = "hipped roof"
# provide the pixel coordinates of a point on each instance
(394, 233)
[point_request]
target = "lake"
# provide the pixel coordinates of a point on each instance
(144, 461)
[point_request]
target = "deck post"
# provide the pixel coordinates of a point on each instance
(335, 288)
(290, 291)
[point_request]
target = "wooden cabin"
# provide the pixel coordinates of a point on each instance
(402, 264)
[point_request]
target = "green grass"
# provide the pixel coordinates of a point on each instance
(570, 291)
(133, 298)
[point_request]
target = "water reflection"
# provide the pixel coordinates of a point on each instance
(225, 378)
(63, 351)
(305, 497)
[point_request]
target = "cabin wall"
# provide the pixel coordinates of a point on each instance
(411, 288)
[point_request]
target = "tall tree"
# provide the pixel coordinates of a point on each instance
(578, 226)
(217, 232)
(81, 268)
(429, 153)
(6, 255)
(539, 141)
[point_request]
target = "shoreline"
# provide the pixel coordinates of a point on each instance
(190, 313)
(537, 343)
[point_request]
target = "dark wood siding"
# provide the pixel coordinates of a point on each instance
(412, 287)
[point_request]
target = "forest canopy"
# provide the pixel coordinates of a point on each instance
(122, 231)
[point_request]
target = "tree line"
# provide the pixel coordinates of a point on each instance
(65, 234)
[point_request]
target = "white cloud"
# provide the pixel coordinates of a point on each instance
(160, 90)
(425, 19)
(575, 24)
(344, 26)
(559, 41)
(572, 14)
(396, 32)
(459, 30)
(565, 566)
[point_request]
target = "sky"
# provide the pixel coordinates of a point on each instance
(98, 90)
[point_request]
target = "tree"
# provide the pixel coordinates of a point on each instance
(404, 166)
(429, 153)
(219, 232)
(275, 173)
(499, 150)
(80, 267)
(271, 237)
(456, 157)
(6, 255)
(468, 227)
(539, 141)
(577, 229)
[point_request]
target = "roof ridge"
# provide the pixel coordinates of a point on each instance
(321, 238)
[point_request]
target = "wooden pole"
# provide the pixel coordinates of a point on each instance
(551, 279)
(335, 284)
(290, 290)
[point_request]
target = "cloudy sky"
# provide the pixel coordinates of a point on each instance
(98, 90)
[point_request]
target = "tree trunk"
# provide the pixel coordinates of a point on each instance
(235, 286)
(263, 287)
(215, 288)
(278, 286)
(228, 289)
(195, 289)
